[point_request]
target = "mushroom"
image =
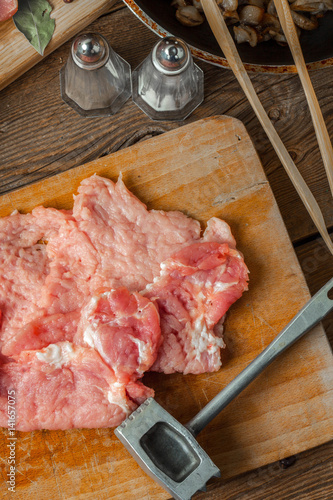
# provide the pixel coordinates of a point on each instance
(246, 34)
(251, 15)
(265, 35)
(279, 38)
(271, 8)
(189, 16)
(228, 5)
(311, 6)
(258, 14)
(304, 22)
(269, 21)
(231, 17)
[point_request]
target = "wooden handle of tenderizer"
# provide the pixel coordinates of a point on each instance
(224, 39)
(324, 142)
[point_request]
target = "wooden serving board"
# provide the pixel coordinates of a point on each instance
(17, 55)
(208, 168)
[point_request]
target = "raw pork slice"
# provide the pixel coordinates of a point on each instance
(42, 331)
(129, 240)
(24, 268)
(65, 386)
(80, 293)
(124, 329)
(219, 231)
(96, 384)
(52, 262)
(195, 289)
(111, 240)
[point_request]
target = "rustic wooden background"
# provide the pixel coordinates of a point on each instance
(41, 136)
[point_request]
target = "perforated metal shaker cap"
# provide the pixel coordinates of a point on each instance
(171, 55)
(90, 51)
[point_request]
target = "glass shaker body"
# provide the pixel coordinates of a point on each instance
(92, 88)
(167, 90)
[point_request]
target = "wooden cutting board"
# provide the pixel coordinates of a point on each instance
(208, 168)
(17, 55)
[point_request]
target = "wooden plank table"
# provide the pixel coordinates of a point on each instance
(41, 136)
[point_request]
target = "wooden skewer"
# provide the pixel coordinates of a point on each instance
(323, 138)
(224, 39)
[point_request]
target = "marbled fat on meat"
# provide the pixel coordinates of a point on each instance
(195, 289)
(65, 386)
(124, 328)
(84, 295)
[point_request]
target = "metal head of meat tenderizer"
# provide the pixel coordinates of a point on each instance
(168, 451)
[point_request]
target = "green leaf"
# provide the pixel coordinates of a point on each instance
(33, 20)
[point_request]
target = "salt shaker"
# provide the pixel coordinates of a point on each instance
(95, 81)
(167, 85)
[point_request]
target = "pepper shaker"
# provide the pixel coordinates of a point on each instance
(167, 85)
(95, 81)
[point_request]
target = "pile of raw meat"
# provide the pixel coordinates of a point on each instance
(92, 298)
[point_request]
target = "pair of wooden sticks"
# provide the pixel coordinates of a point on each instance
(224, 39)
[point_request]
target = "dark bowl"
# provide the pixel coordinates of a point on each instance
(268, 57)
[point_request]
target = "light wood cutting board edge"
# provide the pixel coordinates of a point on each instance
(57, 190)
(32, 195)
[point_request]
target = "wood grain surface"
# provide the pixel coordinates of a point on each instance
(16, 53)
(41, 136)
(215, 171)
